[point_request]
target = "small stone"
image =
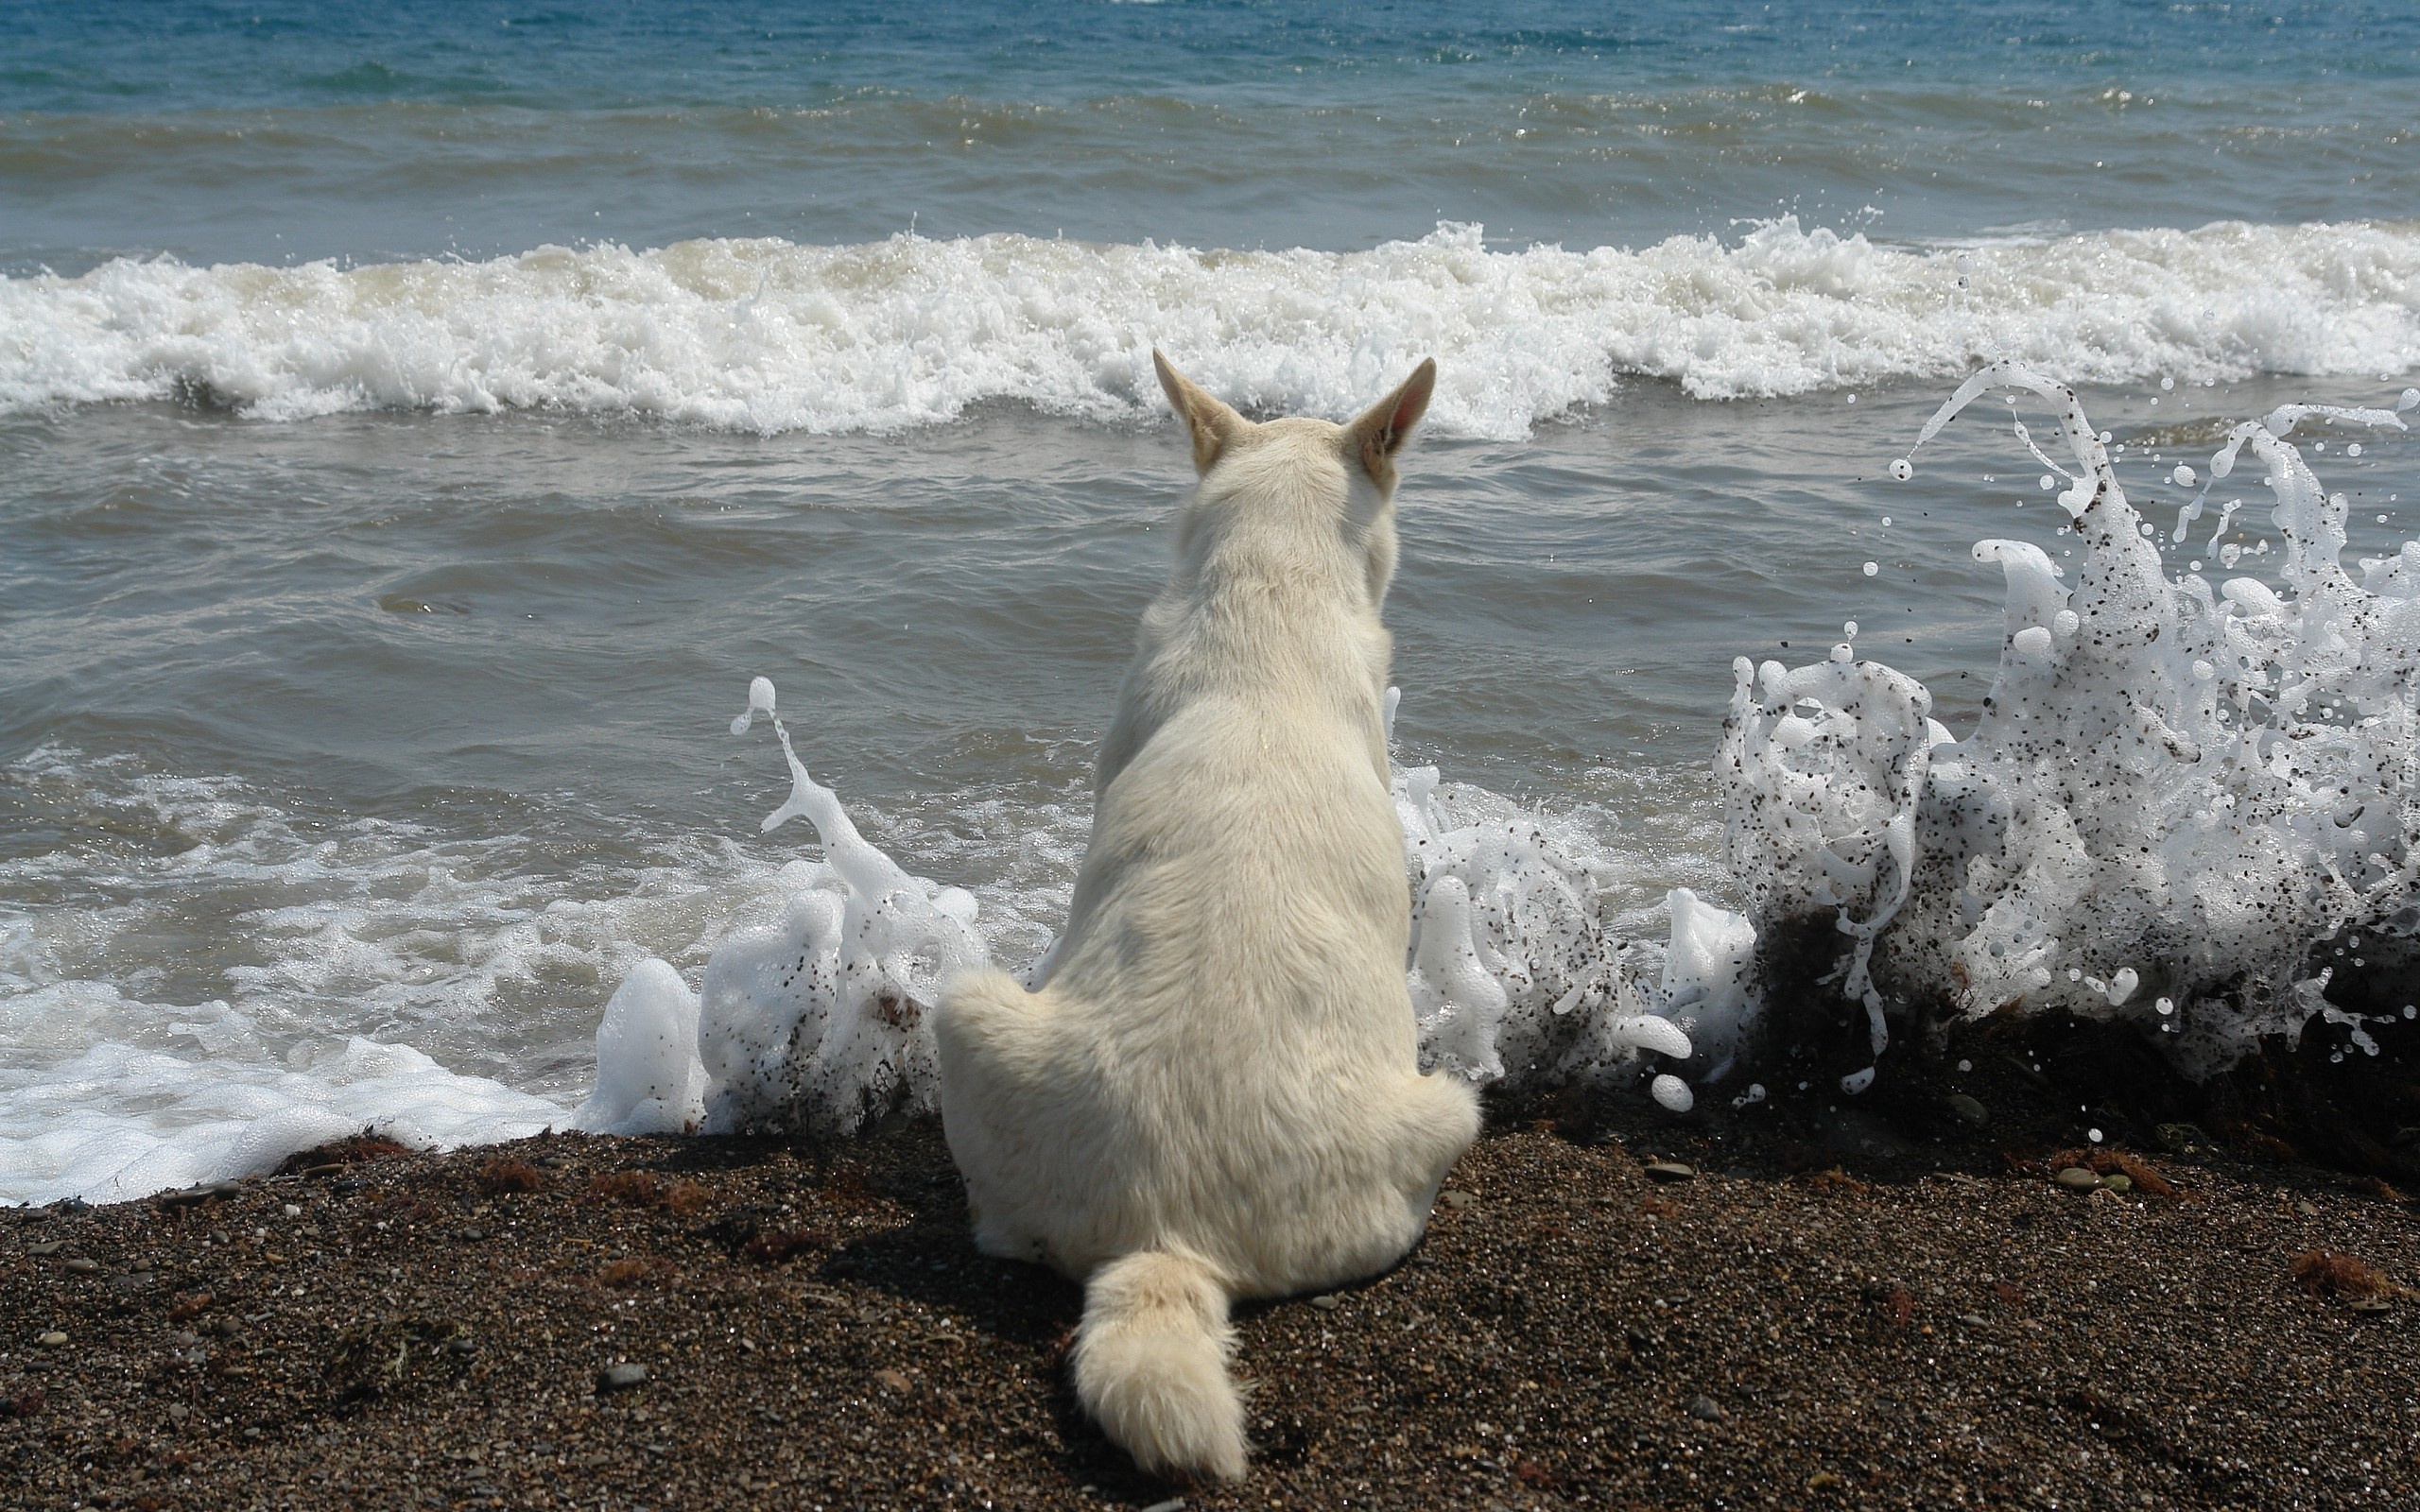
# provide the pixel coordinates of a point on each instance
(1327, 1303)
(1671, 1171)
(472, 1236)
(2370, 1306)
(1175, 1503)
(895, 1379)
(1972, 1321)
(1968, 1111)
(51, 1248)
(2304, 1206)
(621, 1377)
(2118, 1181)
(53, 1340)
(2076, 1178)
(1455, 1199)
(179, 1411)
(84, 1266)
(133, 1281)
(1707, 1410)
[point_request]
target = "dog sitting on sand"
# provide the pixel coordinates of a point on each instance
(1214, 1092)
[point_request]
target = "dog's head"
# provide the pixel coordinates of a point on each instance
(1315, 472)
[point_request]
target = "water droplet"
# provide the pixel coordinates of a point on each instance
(2049, 483)
(2166, 385)
(2093, 1134)
(1871, 568)
(2352, 449)
(1903, 470)
(1849, 628)
(2184, 475)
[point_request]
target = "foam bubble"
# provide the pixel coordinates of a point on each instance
(649, 1076)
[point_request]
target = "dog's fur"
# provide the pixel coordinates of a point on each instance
(1214, 1093)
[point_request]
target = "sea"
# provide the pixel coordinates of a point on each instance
(419, 423)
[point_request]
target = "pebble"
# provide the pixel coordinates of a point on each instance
(1707, 1410)
(1968, 1111)
(2304, 1208)
(179, 1411)
(1455, 1200)
(621, 1377)
(2118, 1181)
(84, 1266)
(895, 1379)
(1671, 1171)
(51, 1248)
(1327, 1303)
(2076, 1178)
(53, 1339)
(1175, 1503)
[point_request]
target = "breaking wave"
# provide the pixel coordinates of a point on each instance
(770, 335)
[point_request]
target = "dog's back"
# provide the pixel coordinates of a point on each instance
(1214, 1092)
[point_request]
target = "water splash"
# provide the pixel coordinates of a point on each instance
(2175, 794)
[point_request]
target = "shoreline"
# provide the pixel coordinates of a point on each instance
(1797, 1324)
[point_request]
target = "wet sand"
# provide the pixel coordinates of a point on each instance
(1793, 1325)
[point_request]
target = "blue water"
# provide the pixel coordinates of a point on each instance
(279, 132)
(418, 421)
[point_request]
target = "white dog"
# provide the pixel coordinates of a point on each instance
(1214, 1092)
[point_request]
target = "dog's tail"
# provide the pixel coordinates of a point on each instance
(1151, 1363)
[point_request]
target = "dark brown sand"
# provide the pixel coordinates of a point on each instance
(1940, 1327)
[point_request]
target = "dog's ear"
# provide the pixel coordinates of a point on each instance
(1386, 425)
(1213, 424)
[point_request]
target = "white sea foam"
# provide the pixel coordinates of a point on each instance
(821, 1018)
(770, 335)
(205, 981)
(2177, 793)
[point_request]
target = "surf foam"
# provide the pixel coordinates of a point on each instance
(2179, 795)
(196, 981)
(821, 1020)
(770, 335)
